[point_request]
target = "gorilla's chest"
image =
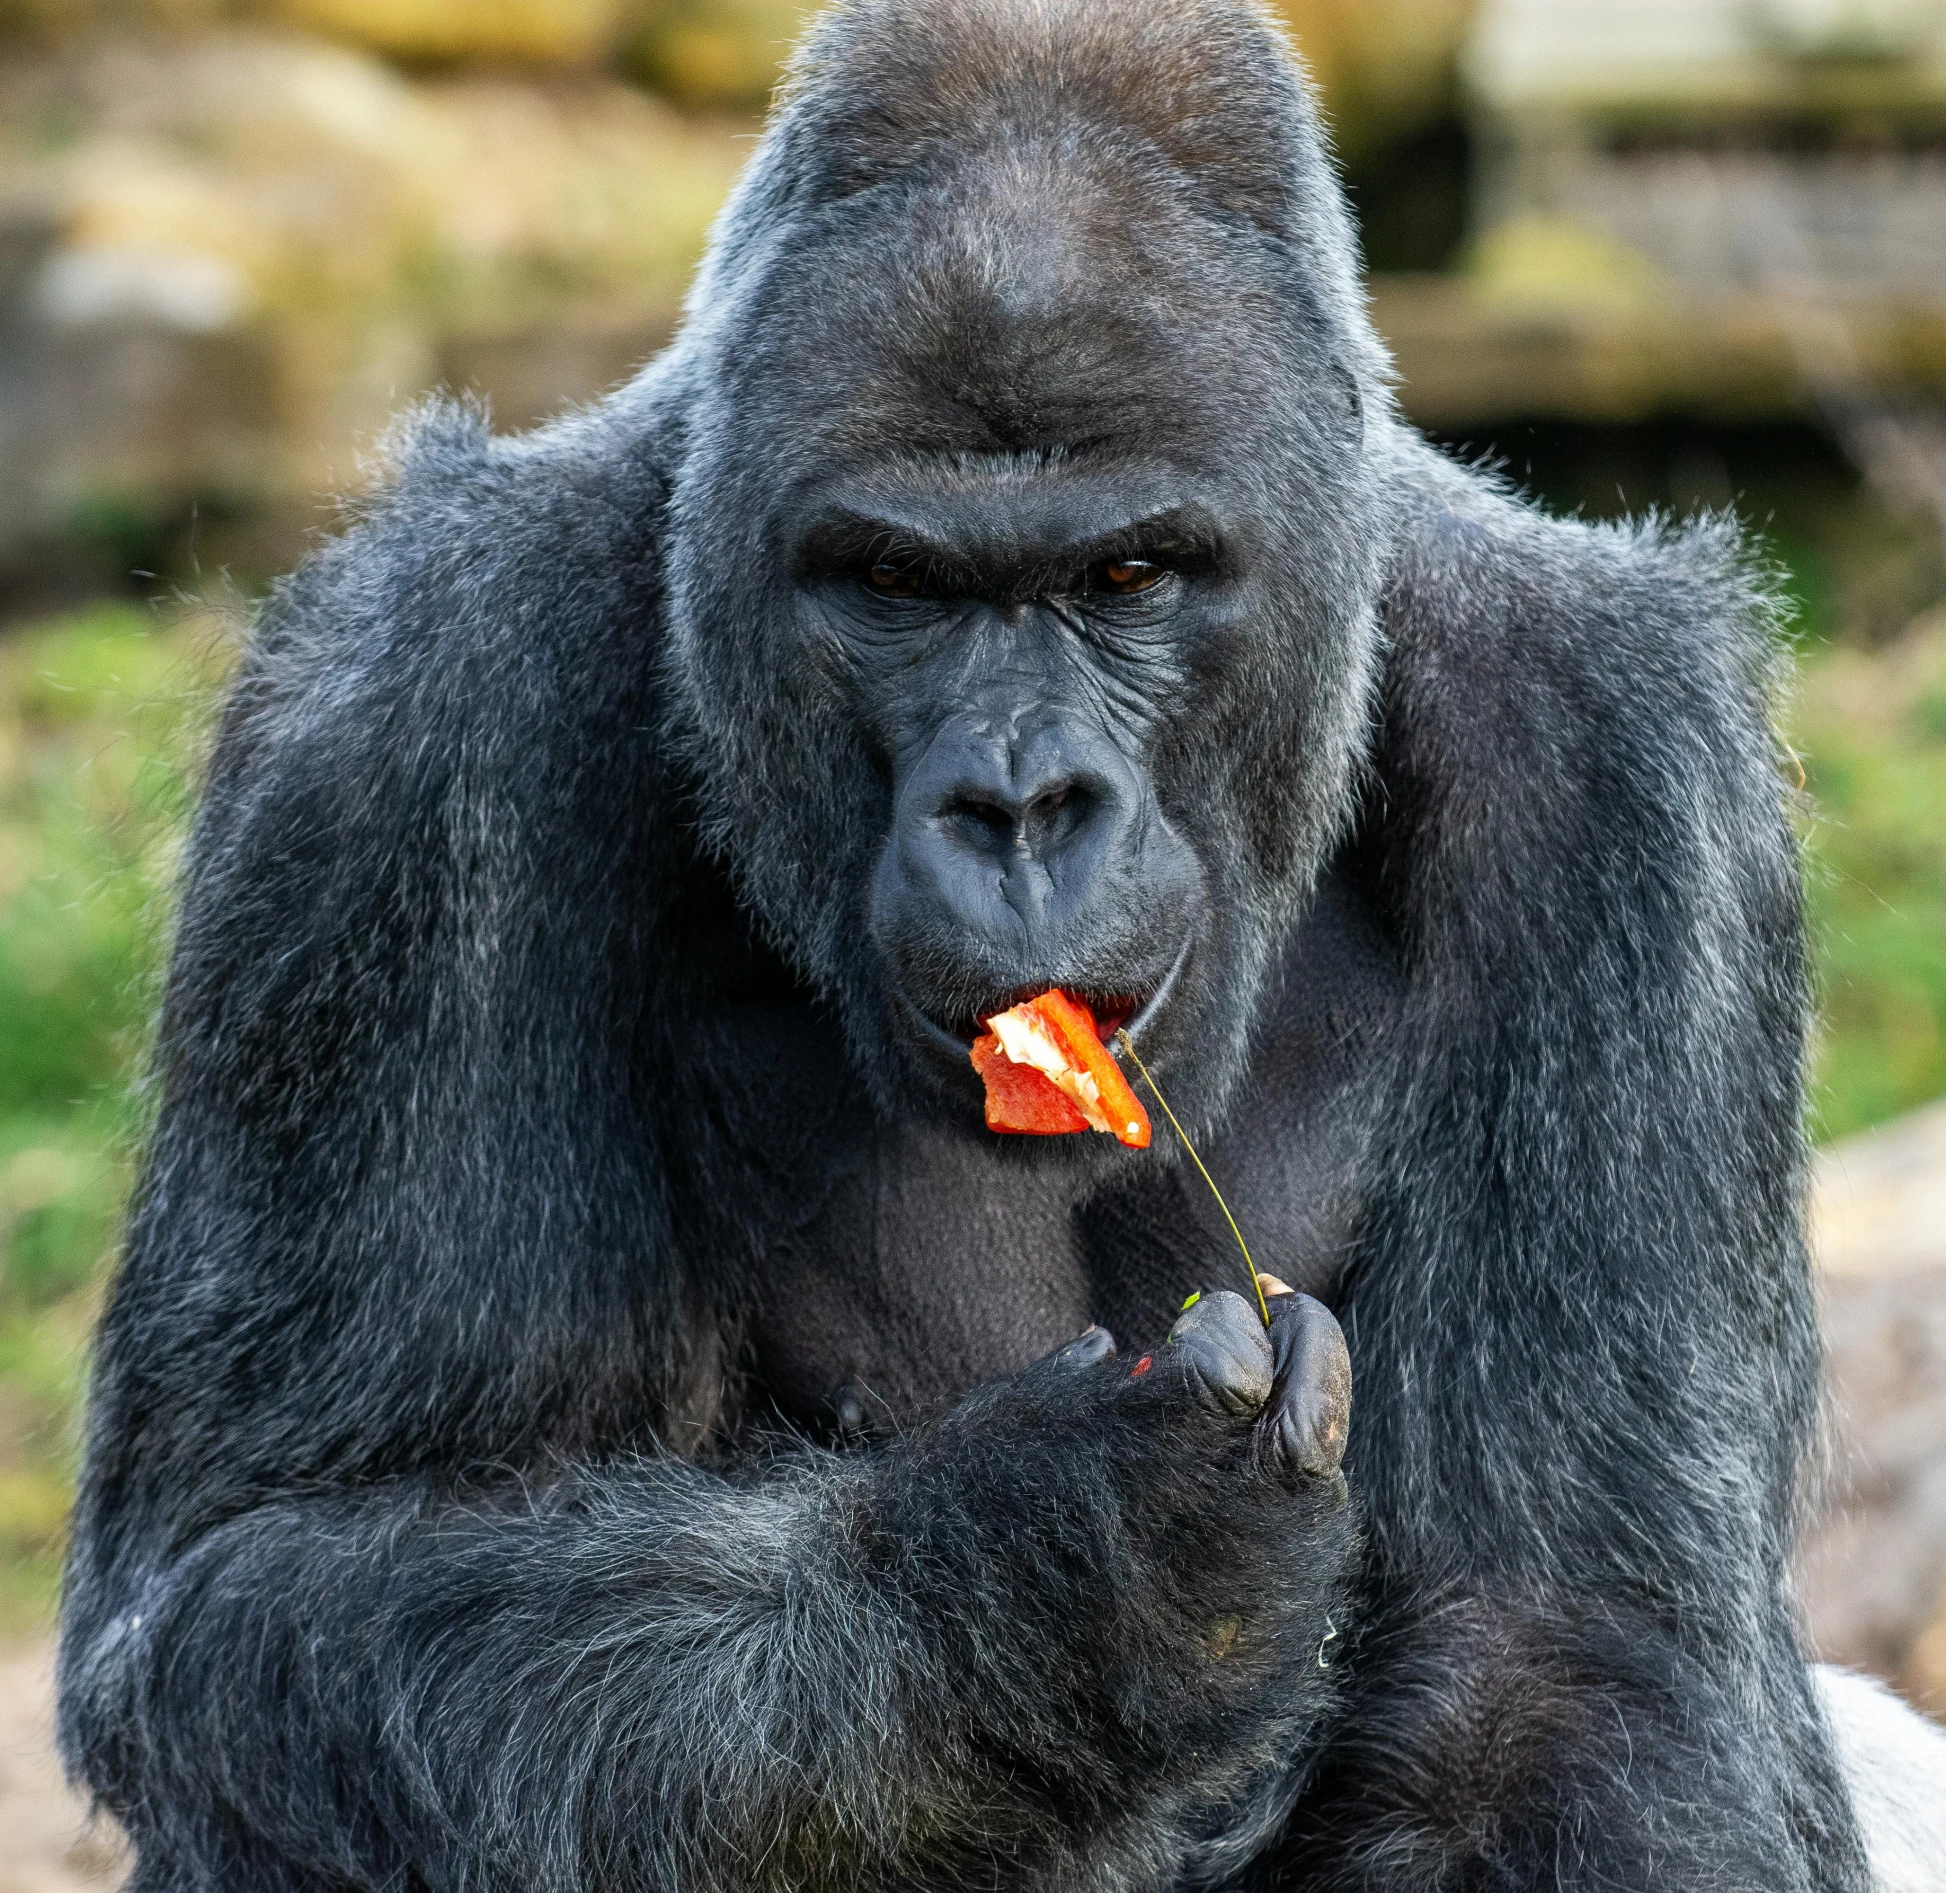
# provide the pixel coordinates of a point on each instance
(901, 1264)
(925, 1270)
(929, 1265)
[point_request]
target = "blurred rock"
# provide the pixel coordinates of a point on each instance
(1880, 1208)
(1385, 64)
(1873, 1574)
(488, 32)
(709, 53)
(51, 1846)
(1387, 67)
(1594, 343)
(1770, 178)
(236, 236)
(227, 260)
(491, 32)
(526, 374)
(716, 53)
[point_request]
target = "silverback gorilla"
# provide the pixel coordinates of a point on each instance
(587, 1405)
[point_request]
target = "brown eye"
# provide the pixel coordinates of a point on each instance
(1129, 576)
(893, 581)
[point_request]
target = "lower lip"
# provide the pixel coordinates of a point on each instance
(1162, 994)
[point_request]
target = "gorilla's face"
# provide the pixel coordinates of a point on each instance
(1016, 639)
(1022, 609)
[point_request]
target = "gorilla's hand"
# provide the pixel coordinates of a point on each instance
(1137, 1558)
(1294, 1382)
(1310, 1409)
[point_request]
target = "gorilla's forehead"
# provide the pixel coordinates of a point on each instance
(1035, 301)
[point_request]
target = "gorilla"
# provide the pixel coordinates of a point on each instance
(588, 1405)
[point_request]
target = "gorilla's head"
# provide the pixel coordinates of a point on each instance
(1026, 524)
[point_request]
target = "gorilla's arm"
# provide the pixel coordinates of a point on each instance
(951, 1667)
(380, 1574)
(1579, 1304)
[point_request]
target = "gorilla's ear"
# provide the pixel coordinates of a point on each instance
(1311, 1401)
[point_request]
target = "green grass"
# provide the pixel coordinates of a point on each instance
(1872, 731)
(99, 717)
(100, 720)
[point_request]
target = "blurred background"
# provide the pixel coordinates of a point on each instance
(1643, 254)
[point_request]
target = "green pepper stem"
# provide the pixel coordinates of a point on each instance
(1263, 1306)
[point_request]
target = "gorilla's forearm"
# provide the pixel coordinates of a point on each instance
(892, 1671)
(660, 1680)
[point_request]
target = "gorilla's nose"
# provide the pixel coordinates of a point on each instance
(1003, 826)
(999, 808)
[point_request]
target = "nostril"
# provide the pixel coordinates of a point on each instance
(1040, 822)
(1053, 816)
(984, 822)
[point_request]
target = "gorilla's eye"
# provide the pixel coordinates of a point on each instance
(1126, 577)
(893, 579)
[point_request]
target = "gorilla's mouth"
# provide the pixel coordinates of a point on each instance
(1114, 1011)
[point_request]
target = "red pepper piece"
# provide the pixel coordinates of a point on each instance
(1074, 1026)
(1048, 1074)
(1020, 1100)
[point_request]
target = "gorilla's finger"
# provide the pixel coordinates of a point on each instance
(1309, 1416)
(1274, 1286)
(1220, 1347)
(1096, 1344)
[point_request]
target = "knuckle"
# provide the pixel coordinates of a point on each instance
(1224, 1355)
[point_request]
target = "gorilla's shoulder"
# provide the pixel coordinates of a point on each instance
(1558, 648)
(474, 536)
(480, 570)
(489, 615)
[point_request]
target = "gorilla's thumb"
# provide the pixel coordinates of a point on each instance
(1310, 1404)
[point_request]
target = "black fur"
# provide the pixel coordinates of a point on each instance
(569, 1415)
